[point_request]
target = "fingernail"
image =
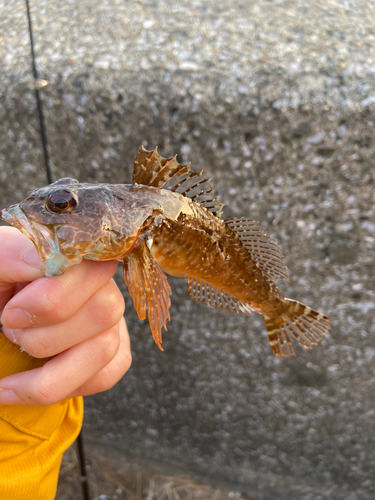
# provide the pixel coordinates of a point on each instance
(8, 397)
(16, 318)
(32, 258)
(10, 334)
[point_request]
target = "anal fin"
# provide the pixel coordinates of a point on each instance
(213, 297)
(149, 289)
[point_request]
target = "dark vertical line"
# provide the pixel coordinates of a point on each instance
(43, 133)
(82, 463)
(39, 100)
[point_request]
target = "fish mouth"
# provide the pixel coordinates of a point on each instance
(37, 233)
(15, 216)
(44, 240)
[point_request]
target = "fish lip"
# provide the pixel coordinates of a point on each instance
(40, 235)
(15, 216)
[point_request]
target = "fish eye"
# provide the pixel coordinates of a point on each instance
(61, 201)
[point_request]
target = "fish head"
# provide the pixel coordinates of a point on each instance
(68, 221)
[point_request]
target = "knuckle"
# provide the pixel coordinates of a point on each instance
(109, 378)
(46, 394)
(109, 345)
(97, 273)
(105, 383)
(34, 345)
(128, 361)
(50, 302)
(109, 306)
(105, 270)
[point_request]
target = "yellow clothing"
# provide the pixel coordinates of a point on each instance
(33, 438)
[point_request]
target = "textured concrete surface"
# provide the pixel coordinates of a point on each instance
(276, 101)
(21, 160)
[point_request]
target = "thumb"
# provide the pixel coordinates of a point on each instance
(19, 262)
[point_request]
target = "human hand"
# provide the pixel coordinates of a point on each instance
(77, 318)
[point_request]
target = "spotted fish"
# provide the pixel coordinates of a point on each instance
(168, 221)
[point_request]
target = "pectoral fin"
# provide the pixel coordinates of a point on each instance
(149, 289)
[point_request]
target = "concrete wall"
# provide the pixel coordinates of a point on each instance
(276, 102)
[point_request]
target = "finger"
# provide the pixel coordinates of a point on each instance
(63, 374)
(107, 377)
(49, 301)
(19, 262)
(101, 312)
(19, 259)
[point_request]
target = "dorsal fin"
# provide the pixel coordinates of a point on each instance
(151, 169)
(211, 296)
(263, 249)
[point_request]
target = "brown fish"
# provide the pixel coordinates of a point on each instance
(167, 221)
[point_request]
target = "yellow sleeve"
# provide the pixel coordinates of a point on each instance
(33, 438)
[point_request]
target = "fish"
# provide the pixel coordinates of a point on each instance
(168, 222)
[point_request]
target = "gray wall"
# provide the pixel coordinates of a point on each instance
(275, 100)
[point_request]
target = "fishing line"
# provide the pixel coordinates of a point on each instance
(43, 133)
(83, 467)
(37, 83)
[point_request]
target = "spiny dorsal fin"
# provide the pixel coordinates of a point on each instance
(149, 289)
(214, 297)
(263, 249)
(151, 169)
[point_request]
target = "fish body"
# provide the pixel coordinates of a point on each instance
(167, 221)
(206, 249)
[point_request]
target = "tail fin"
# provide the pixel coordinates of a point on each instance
(307, 326)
